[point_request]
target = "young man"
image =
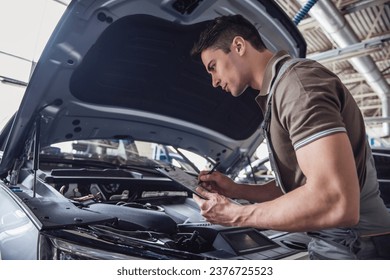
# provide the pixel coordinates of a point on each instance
(327, 180)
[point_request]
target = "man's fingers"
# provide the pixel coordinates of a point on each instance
(205, 177)
(203, 192)
(197, 199)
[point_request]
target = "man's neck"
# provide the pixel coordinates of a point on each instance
(259, 64)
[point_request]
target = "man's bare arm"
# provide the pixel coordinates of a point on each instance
(330, 197)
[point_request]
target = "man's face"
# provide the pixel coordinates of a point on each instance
(226, 70)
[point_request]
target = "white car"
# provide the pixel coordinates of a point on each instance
(114, 88)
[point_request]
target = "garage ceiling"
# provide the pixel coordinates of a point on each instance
(352, 38)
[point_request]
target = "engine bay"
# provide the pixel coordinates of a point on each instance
(152, 210)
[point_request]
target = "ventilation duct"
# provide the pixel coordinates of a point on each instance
(335, 25)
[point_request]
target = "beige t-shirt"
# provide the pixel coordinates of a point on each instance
(310, 102)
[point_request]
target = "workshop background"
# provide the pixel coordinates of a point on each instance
(350, 37)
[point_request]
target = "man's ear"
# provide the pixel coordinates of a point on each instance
(239, 45)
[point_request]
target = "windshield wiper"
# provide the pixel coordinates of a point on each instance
(99, 164)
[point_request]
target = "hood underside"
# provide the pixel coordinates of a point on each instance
(122, 69)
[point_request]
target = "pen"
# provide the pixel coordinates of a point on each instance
(211, 171)
(214, 168)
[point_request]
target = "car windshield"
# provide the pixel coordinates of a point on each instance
(124, 152)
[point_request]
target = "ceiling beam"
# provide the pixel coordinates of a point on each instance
(353, 79)
(376, 119)
(7, 80)
(362, 5)
(370, 107)
(354, 50)
(365, 95)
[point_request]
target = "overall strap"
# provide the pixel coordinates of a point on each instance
(275, 80)
(267, 120)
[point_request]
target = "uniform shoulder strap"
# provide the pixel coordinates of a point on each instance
(279, 74)
(281, 71)
(267, 120)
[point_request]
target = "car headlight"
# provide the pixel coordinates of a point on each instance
(54, 248)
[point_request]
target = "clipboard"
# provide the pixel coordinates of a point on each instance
(181, 177)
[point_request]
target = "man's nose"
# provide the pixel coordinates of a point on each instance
(216, 82)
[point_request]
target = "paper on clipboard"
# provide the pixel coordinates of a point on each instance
(181, 177)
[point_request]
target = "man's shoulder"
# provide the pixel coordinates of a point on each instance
(300, 80)
(305, 66)
(303, 71)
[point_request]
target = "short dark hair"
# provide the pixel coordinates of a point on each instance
(220, 32)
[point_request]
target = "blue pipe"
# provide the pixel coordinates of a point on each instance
(303, 11)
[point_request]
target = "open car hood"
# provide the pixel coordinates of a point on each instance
(122, 69)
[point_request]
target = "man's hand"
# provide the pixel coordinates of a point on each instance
(217, 182)
(218, 209)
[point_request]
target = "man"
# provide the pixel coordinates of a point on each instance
(327, 180)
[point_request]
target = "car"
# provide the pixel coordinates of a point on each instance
(382, 164)
(114, 107)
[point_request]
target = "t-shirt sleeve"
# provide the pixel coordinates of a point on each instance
(308, 103)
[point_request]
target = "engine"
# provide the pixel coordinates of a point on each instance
(172, 220)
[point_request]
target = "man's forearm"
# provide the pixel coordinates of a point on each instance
(258, 193)
(300, 210)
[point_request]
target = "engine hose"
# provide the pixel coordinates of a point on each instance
(303, 11)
